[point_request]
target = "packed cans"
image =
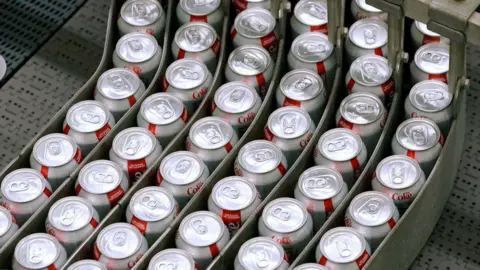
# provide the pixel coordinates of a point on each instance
(366, 37)
(310, 266)
(172, 258)
(210, 11)
(421, 35)
(8, 226)
(39, 251)
(431, 62)
(309, 16)
(241, 5)
(145, 16)
(361, 10)
(261, 253)
(87, 265)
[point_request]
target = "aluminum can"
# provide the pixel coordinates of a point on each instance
(87, 265)
(119, 246)
(262, 163)
(199, 41)
(366, 37)
(431, 62)
(431, 99)
(313, 51)
(163, 115)
(146, 16)
(172, 258)
(237, 103)
(55, 156)
(241, 5)
(420, 139)
(39, 251)
(189, 80)
(24, 191)
(88, 122)
(8, 226)
(286, 221)
(322, 190)
(364, 114)
(151, 210)
(309, 16)
(290, 128)
(182, 173)
(135, 150)
(310, 266)
(371, 74)
(343, 248)
(208, 11)
(71, 220)
(203, 235)
(103, 184)
(261, 253)
(303, 88)
(256, 26)
(252, 65)
(361, 10)
(234, 199)
(211, 138)
(373, 214)
(343, 150)
(421, 35)
(118, 89)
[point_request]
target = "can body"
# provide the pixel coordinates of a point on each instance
(261, 252)
(241, 5)
(210, 12)
(361, 10)
(87, 264)
(366, 37)
(48, 253)
(421, 35)
(172, 257)
(146, 16)
(431, 62)
(8, 227)
(309, 16)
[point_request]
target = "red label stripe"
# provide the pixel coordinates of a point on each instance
(181, 54)
(391, 223)
(328, 204)
(374, 175)
(96, 252)
(140, 224)
(438, 77)
(323, 261)
(197, 267)
(78, 188)
(213, 107)
(115, 195)
(355, 167)
(362, 260)
(165, 84)
(47, 192)
(94, 223)
(429, 39)
(66, 129)
(441, 140)
(14, 220)
(269, 42)
(388, 88)
(268, 134)
(232, 217)
(378, 51)
(228, 147)
(101, 133)
(214, 250)
(51, 267)
(240, 5)
(411, 154)
(344, 123)
(216, 47)
(320, 28)
(290, 102)
(132, 100)
(44, 171)
(233, 34)
(350, 85)
(320, 68)
(282, 169)
(152, 128)
(159, 178)
(285, 257)
(136, 168)
(262, 87)
(198, 19)
(78, 156)
(184, 115)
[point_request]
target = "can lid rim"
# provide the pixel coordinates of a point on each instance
(203, 24)
(424, 29)
(152, 98)
(9, 216)
(299, 38)
(70, 198)
(348, 98)
(265, 12)
(417, 87)
(299, 19)
(234, 178)
(361, 60)
(380, 23)
(160, 13)
(139, 130)
(426, 121)
(338, 178)
(249, 144)
(339, 229)
(179, 62)
(68, 118)
(294, 72)
(152, 188)
(129, 35)
(44, 235)
(200, 121)
(183, 6)
(306, 215)
(366, 7)
(108, 72)
(212, 215)
(65, 137)
(375, 193)
(353, 134)
(87, 262)
(265, 240)
(299, 110)
(32, 171)
(424, 47)
(171, 250)
(394, 157)
(87, 166)
(172, 155)
(238, 83)
(246, 47)
(120, 224)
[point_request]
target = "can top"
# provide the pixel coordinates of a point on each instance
(370, 70)
(118, 83)
(134, 143)
(418, 134)
(369, 33)
(261, 253)
(186, 73)
(320, 183)
(54, 150)
(284, 215)
(87, 116)
(211, 132)
(342, 245)
(260, 156)
(37, 251)
(119, 240)
(235, 97)
(182, 167)
(141, 12)
(199, 7)
(172, 258)
(301, 84)
(424, 29)
(289, 122)
(398, 172)
(87, 265)
(371, 208)
(100, 176)
(195, 36)
(6, 220)
(161, 109)
(249, 60)
(136, 47)
(340, 144)
(201, 229)
(233, 193)
(310, 266)
(23, 185)
(312, 12)
(361, 108)
(430, 96)
(433, 58)
(312, 47)
(362, 4)
(152, 204)
(70, 214)
(254, 23)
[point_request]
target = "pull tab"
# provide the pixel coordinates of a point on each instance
(289, 124)
(70, 212)
(166, 266)
(397, 174)
(150, 202)
(230, 192)
(262, 259)
(140, 10)
(320, 182)
(90, 117)
(370, 71)
(371, 209)
(36, 253)
(119, 83)
(203, 2)
(364, 109)
(370, 36)
(120, 238)
(18, 186)
(343, 249)
(256, 24)
(183, 166)
(317, 11)
(433, 95)
(237, 95)
(435, 58)
(302, 84)
(103, 178)
(199, 227)
(281, 214)
(213, 133)
(251, 61)
(133, 145)
(263, 155)
(315, 47)
(337, 145)
(193, 36)
(163, 109)
(54, 148)
(189, 74)
(135, 45)
(418, 134)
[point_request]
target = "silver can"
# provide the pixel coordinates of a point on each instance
(199, 41)
(172, 258)
(291, 129)
(241, 5)
(71, 220)
(309, 16)
(420, 139)
(286, 221)
(253, 65)
(343, 150)
(182, 173)
(211, 138)
(421, 35)
(322, 190)
(431, 62)
(118, 89)
(135, 150)
(302, 88)
(103, 184)
(237, 103)
(261, 253)
(373, 214)
(313, 51)
(163, 115)
(87, 265)
(310, 266)
(361, 10)
(366, 37)
(203, 235)
(145, 16)
(262, 163)
(39, 251)
(209, 11)
(8, 226)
